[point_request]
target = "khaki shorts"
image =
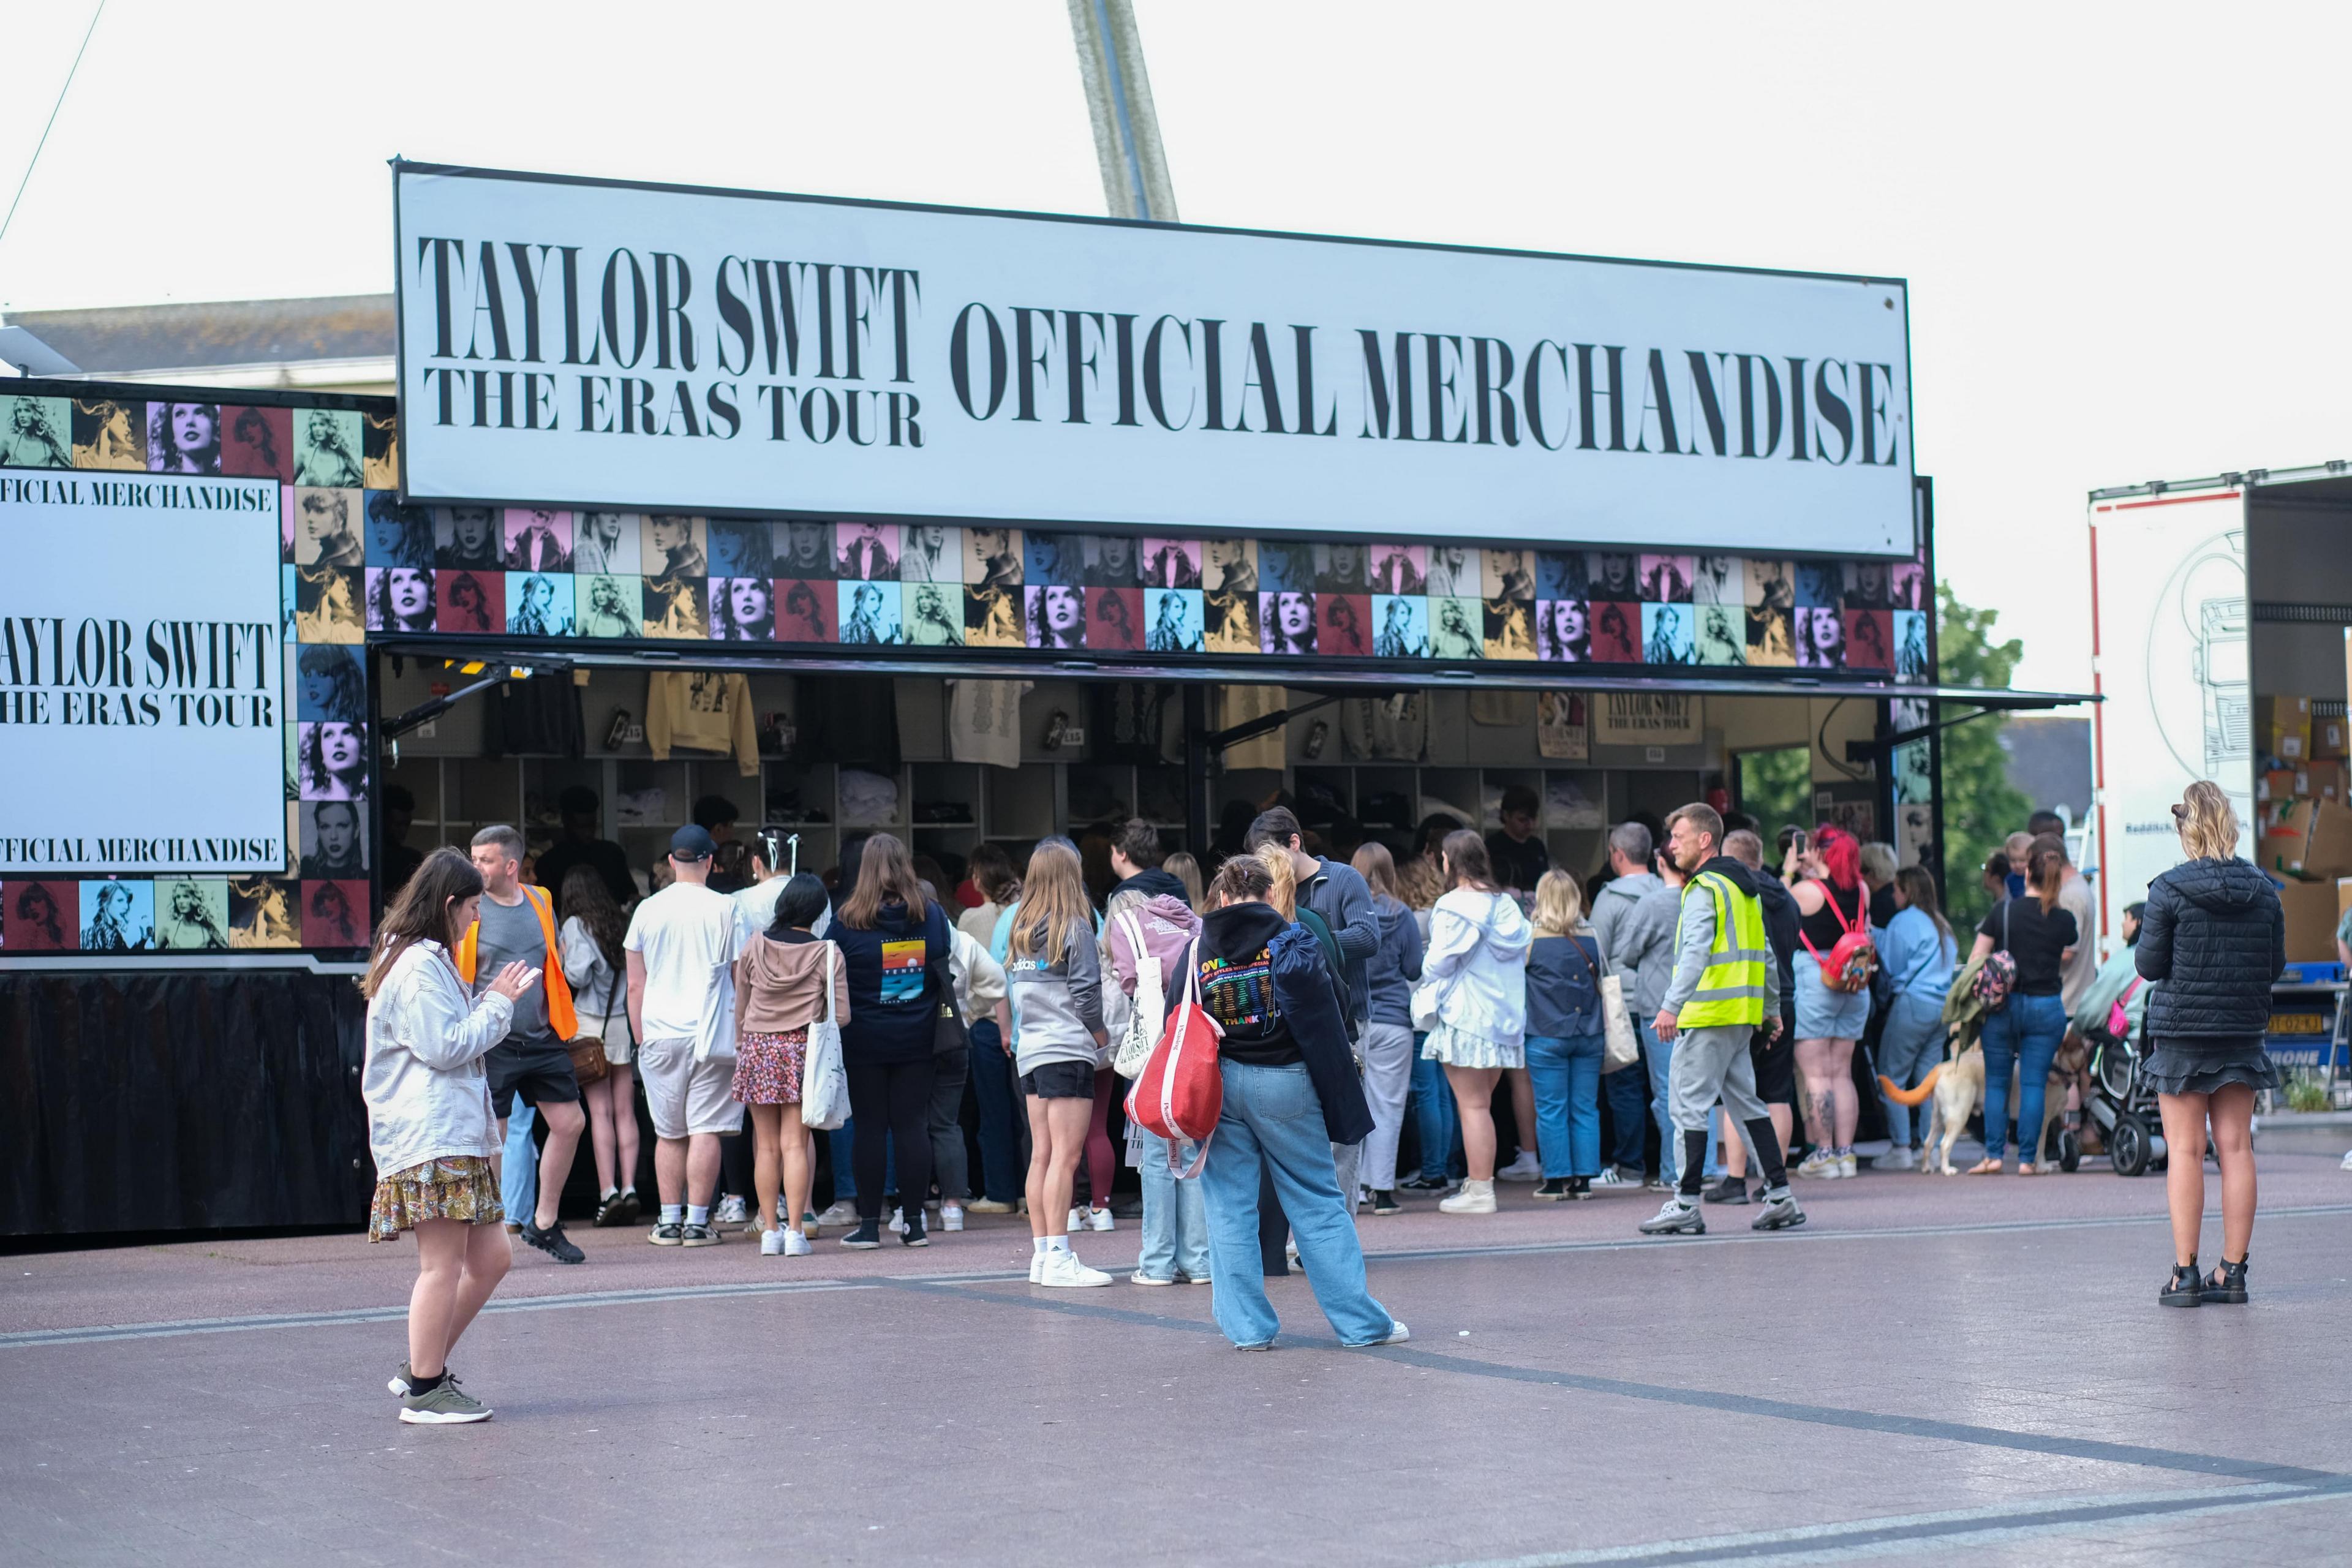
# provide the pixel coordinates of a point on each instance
(686, 1096)
(613, 1031)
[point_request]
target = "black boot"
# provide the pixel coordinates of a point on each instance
(2226, 1284)
(2184, 1288)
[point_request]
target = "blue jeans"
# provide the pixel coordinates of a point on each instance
(1175, 1224)
(519, 1166)
(845, 1160)
(1911, 1042)
(1629, 1107)
(1002, 1169)
(1565, 1073)
(1273, 1123)
(1434, 1117)
(2025, 1035)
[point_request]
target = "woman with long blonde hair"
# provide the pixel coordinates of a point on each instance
(2212, 939)
(1052, 981)
(1567, 1037)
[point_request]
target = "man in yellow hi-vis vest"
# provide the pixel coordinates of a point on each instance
(1726, 990)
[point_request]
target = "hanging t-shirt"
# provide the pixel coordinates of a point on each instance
(685, 932)
(1385, 729)
(1127, 721)
(1239, 705)
(984, 721)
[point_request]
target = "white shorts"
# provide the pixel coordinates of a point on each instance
(686, 1096)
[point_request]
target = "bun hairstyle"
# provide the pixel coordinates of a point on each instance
(1241, 880)
(2208, 826)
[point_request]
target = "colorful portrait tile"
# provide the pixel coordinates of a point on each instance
(804, 609)
(328, 447)
(1051, 559)
(1821, 639)
(1509, 574)
(870, 614)
(393, 534)
(1172, 563)
(35, 433)
(928, 552)
(1397, 568)
(327, 605)
(1718, 580)
(1910, 633)
(1868, 585)
(334, 914)
(286, 526)
(1721, 638)
(1174, 618)
(1906, 587)
(932, 613)
(184, 438)
(1346, 623)
(1231, 621)
(1771, 584)
(1115, 619)
(991, 614)
(741, 610)
(326, 527)
(264, 912)
(674, 608)
(1666, 579)
(1820, 584)
(1458, 627)
(1510, 629)
(286, 595)
(1613, 574)
(866, 552)
(1615, 637)
(991, 560)
(330, 760)
(1286, 566)
(110, 433)
(379, 450)
(1564, 631)
(259, 443)
(534, 539)
(1105, 560)
(674, 545)
(465, 539)
(539, 604)
(803, 550)
(39, 915)
(1286, 626)
(741, 547)
(473, 603)
(1054, 613)
(1229, 565)
(608, 605)
(1869, 640)
(118, 915)
(192, 914)
(329, 683)
(1559, 574)
(1455, 572)
(607, 543)
(1401, 625)
(1771, 636)
(1667, 634)
(1341, 567)
(333, 837)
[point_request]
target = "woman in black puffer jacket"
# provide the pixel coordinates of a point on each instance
(2212, 939)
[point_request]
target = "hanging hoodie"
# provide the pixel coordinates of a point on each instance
(702, 710)
(1478, 951)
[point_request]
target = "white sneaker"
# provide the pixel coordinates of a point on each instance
(1077, 1221)
(1141, 1278)
(839, 1213)
(1847, 1168)
(1820, 1162)
(1900, 1158)
(1398, 1334)
(2347, 1160)
(1526, 1168)
(1609, 1178)
(771, 1243)
(1100, 1219)
(796, 1245)
(1063, 1271)
(730, 1210)
(1476, 1197)
(950, 1217)
(898, 1221)
(1037, 1267)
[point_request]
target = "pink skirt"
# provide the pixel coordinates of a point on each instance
(768, 1068)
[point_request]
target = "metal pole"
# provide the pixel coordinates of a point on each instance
(1118, 102)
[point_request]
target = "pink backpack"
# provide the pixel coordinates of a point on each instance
(1853, 959)
(1181, 1091)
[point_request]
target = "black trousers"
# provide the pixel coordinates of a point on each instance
(887, 1099)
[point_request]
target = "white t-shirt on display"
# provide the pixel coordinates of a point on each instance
(685, 932)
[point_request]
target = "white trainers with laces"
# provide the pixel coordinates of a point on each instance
(1476, 1197)
(771, 1243)
(1612, 1178)
(1847, 1167)
(1063, 1271)
(1077, 1221)
(730, 1210)
(898, 1221)
(796, 1245)
(1100, 1219)
(839, 1213)
(950, 1217)
(1820, 1162)
(1037, 1267)
(1526, 1168)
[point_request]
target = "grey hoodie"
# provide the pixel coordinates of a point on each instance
(1613, 908)
(1057, 1009)
(1636, 928)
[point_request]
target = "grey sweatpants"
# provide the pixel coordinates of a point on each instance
(1709, 1064)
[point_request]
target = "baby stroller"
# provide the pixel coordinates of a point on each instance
(2121, 1101)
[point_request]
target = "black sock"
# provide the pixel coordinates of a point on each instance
(1762, 1139)
(426, 1385)
(1694, 1161)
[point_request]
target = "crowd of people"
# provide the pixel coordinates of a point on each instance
(1682, 1017)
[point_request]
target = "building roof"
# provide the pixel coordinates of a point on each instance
(343, 341)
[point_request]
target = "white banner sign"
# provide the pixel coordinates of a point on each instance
(566, 342)
(1648, 719)
(142, 679)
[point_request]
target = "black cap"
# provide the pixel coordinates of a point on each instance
(691, 843)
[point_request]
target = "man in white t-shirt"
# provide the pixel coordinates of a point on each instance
(680, 942)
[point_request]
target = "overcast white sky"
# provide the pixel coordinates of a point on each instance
(2123, 224)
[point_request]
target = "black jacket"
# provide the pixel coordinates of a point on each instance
(1781, 921)
(2212, 939)
(1151, 882)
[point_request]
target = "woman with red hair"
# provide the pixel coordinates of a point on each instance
(1830, 903)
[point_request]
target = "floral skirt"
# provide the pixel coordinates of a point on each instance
(459, 1187)
(768, 1068)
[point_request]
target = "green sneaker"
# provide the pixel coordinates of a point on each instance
(446, 1405)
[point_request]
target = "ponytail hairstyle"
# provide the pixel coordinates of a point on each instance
(2045, 869)
(1053, 900)
(1242, 879)
(1841, 858)
(1281, 879)
(422, 911)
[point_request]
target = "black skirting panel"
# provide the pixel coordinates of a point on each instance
(182, 1100)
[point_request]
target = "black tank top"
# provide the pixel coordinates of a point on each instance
(1824, 926)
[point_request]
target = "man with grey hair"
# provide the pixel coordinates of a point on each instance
(534, 1063)
(1633, 919)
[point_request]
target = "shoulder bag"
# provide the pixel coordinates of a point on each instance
(1624, 1047)
(1151, 1006)
(824, 1086)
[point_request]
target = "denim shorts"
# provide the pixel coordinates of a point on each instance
(1060, 1080)
(1823, 1014)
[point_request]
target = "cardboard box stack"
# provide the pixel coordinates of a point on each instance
(2306, 812)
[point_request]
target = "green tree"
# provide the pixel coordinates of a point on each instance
(1981, 807)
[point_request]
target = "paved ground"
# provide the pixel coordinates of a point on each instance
(1932, 1365)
